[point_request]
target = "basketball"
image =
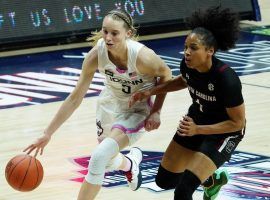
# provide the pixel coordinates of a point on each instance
(24, 173)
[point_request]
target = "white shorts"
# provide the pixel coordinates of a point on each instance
(114, 113)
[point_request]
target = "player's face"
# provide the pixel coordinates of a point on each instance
(197, 56)
(114, 33)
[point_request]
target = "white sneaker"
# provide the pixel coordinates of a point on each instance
(134, 176)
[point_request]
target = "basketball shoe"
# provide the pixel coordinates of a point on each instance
(134, 175)
(213, 184)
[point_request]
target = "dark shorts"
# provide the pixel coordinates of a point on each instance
(218, 148)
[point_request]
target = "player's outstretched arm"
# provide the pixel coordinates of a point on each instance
(71, 103)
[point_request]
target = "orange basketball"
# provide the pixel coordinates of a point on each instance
(24, 173)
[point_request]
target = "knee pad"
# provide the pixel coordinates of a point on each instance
(186, 186)
(100, 157)
(166, 179)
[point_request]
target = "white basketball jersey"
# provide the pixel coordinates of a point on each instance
(122, 83)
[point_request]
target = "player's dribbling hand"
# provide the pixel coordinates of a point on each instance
(138, 97)
(38, 145)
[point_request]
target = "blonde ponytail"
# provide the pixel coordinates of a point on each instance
(93, 39)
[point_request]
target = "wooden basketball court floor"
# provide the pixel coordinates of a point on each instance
(64, 158)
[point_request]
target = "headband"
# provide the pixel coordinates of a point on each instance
(121, 16)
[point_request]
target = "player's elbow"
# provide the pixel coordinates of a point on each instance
(237, 116)
(166, 74)
(240, 124)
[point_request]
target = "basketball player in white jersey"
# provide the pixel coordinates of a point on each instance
(128, 67)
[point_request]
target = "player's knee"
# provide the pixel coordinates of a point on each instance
(101, 156)
(99, 159)
(166, 179)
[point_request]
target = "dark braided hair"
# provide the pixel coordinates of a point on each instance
(218, 28)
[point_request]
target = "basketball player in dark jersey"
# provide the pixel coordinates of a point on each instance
(214, 125)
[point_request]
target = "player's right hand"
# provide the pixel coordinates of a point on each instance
(38, 145)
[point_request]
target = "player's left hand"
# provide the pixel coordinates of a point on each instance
(152, 121)
(187, 127)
